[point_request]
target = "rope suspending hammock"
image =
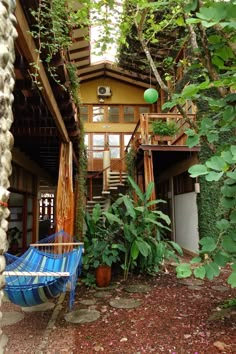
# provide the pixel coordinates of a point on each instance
(44, 271)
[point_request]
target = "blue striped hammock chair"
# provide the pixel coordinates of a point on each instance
(42, 273)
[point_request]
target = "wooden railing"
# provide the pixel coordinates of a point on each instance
(142, 133)
(104, 173)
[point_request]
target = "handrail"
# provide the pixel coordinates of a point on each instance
(106, 168)
(132, 136)
(101, 172)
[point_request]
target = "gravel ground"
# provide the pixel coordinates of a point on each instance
(181, 317)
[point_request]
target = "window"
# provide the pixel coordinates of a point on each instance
(98, 114)
(98, 144)
(128, 114)
(86, 140)
(113, 114)
(84, 113)
(143, 110)
(127, 138)
(114, 144)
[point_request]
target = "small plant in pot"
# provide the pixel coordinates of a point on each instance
(101, 248)
(163, 130)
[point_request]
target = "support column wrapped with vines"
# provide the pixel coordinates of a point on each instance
(8, 34)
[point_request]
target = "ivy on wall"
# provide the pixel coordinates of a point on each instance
(208, 200)
(81, 186)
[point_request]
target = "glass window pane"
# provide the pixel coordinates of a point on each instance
(98, 114)
(86, 140)
(115, 153)
(98, 155)
(98, 140)
(127, 138)
(114, 140)
(128, 114)
(143, 110)
(84, 113)
(113, 114)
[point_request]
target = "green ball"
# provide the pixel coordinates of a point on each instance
(150, 95)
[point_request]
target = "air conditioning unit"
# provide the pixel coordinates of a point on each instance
(104, 91)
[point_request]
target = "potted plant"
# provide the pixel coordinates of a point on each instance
(14, 234)
(101, 248)
(163, 130)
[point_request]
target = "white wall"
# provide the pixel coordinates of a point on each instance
(186, 221)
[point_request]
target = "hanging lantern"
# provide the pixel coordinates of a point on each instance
(150, 95)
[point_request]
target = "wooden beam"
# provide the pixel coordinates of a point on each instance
(169, 148)
(57, 244)
(27, 45)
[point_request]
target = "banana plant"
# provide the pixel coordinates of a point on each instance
(142, 229)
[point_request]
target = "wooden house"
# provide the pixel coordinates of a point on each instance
(115, 115)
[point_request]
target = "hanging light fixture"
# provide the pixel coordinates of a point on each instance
(150, 95)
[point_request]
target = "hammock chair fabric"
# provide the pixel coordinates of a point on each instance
(30, 289)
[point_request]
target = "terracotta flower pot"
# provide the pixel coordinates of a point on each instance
(103, 276)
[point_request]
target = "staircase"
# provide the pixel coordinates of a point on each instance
(116, 184)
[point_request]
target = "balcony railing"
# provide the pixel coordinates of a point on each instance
(143, 135)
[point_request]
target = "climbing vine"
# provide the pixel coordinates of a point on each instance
(53, 22)
(81, 185)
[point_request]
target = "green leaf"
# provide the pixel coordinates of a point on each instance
(232, 279)
(183, 270)
(233, 217)
(136, 188)
(149, 190)
(225, 53)
(229, 244)
(212, 270)
(214, 176)
(198, 170)
(221, 259)
(191, 6)
(228, 203)
(212, 136)
(134, 250)
(168, 105)
(180, 21)
(190, 91)
(129, 206)
(200, 272)
(231, 174)
(227, 157)
(222, 224)
(217, 61)
(217, 163)
(233, 150)
(229, 191)
(163, 216)
(177, 248)
(193, 140)
(195, 260)
(208, 244)
(204, 85)
(143, 247)
(112, 218)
